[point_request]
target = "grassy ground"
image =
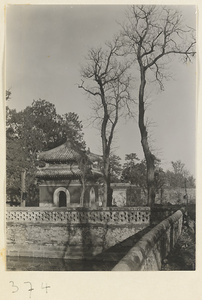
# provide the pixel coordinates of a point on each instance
(182, 257)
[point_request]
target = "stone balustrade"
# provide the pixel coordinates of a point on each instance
(70, 232)
(130, 215)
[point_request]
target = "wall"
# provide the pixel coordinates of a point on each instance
(125, 194)
(70, 232)
(175, 196)
(136, 197)
(153, 247)
(47, 189)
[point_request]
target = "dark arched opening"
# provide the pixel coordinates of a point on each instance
(62, 199)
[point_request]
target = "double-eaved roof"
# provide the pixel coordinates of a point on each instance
(63, 163)
(65, 171)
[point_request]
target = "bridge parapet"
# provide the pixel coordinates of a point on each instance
(153, 247)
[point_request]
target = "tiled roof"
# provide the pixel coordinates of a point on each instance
(93, 157)
(52, 173)
(64, 171)
(65, 153)
(62, 153)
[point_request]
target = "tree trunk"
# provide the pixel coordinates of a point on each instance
(83, 167)
(107, 197)
(144, 141)
(150, 184)
(107, 194)
(82, 192)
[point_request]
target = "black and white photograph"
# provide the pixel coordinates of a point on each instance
(100, 137)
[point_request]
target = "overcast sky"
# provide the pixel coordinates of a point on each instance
(45, 47)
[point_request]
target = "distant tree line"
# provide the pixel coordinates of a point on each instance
(134, 171)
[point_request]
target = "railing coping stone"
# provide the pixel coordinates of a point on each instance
(79, 209)
(135, 257)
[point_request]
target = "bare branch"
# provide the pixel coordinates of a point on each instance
(105, 77)
(151, 36)
(88, 90)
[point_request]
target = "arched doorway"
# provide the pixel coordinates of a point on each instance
(61, 197)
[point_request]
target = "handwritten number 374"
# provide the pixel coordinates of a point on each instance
(15, 288)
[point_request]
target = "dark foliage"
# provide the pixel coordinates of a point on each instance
(36, 128)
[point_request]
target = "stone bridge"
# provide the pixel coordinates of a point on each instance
(148, 253)
(123, 235)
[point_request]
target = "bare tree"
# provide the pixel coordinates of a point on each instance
(105, 78)
(152, 35)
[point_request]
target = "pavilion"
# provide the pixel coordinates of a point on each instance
(69, 177)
